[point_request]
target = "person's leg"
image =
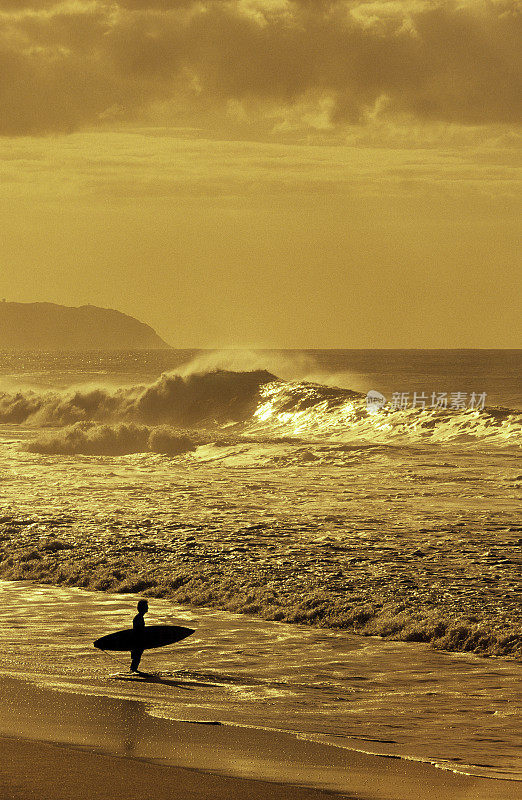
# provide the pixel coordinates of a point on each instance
(135, 659)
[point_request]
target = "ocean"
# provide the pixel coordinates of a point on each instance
(242, 491)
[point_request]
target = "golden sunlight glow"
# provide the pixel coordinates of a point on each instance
(280, 172)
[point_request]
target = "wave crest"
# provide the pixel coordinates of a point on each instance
(202, 398)
(263, 406)
(340, 415)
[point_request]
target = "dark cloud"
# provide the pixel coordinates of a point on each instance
(69, 65)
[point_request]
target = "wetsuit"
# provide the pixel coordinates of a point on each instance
(138, 625)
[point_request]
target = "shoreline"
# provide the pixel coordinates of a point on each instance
(266, 574)
(69, 736)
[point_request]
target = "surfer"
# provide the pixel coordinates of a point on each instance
(138, 626)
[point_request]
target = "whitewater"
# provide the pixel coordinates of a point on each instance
(222, 485)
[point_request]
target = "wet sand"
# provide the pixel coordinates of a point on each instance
(359, 693)
(58, 745)
(32, 770)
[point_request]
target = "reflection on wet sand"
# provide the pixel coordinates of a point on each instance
(354, 692)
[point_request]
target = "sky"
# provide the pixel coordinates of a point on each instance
(267, 173)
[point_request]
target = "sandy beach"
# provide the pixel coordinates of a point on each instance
(242, 709)
(42, 769)
(72, 745)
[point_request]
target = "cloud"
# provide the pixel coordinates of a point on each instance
(384, 159)
(255, 67)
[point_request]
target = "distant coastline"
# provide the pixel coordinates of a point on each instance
(48, 326)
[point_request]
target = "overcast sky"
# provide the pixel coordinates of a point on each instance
(286, 173)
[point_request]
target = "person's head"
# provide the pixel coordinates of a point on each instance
(143, 606)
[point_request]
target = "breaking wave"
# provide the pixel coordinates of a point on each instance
(340, 415)
(88, 438)
(258, 405)
(209, 398)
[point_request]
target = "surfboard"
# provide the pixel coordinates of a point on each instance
(151, 636)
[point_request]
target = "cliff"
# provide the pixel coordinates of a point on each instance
(46, 326)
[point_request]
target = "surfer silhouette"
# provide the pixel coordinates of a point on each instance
(138, 626)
